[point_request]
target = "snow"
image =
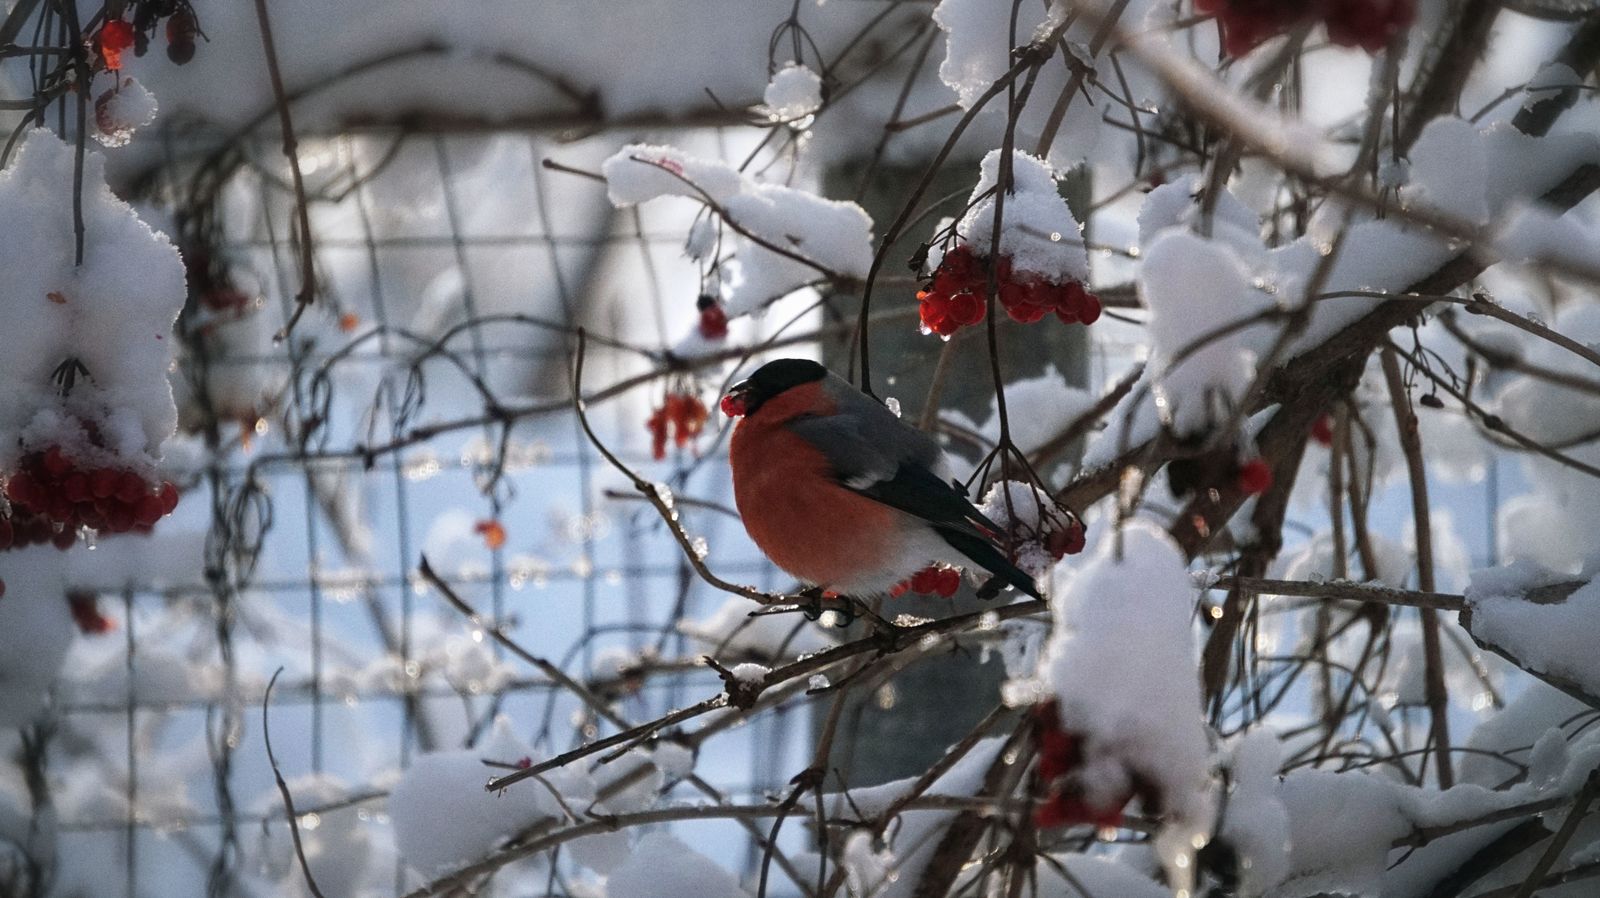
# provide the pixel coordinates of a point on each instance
(1194, 288)
(121, 111)
(35, 630)
(1255, 823)
(113, 313)
(817, 237)
(337, 843)
(1551, 638)
(444, 818)
(1027, 513)
(1051, 402)
(662, 866)
(793, 93)
(1120, 664)
(750, 673)
(1037, 230)
(913, 840)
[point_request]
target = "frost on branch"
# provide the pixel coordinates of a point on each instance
(1120, 667)
(818, 238)
(112, 316)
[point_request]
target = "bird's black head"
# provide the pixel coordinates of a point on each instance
(769, 380)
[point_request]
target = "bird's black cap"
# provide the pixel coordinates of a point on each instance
(768, 381)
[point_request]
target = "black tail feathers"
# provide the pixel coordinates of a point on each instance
(987, 556)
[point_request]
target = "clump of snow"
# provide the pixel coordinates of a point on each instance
(750, 673)
(1037, 230)
(783, 237)
(121, 111)
(35, 630)
(1555, 638)
(1194, 289)
(731, 631)
(337, 842)
(672, 759)
(1121, 664)
(662, 866)
(1255, 824)
(444, 818)
(794, 93)
(914, 838)
(866, 868)
(113, 314)
(1029, 515)
(1051, 405)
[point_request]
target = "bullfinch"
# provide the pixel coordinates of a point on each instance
(842, 494)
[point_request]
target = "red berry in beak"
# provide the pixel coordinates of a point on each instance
(732, 405)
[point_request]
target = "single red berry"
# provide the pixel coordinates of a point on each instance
(899, 589)
(713, 319)
(116, 35)
(65, 538)
(147, 510)
(925, 581)
(130, 487)
(76, 487)
(169, 496)
(21, 490)
(966, 309)
(1254, 477)
(948, 582)
(1322, 430)
(56, 462)
(103, 482)
(1089, 312)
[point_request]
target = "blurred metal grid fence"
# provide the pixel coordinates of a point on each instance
(427, 246)
(312, 544)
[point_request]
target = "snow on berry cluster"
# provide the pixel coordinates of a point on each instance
(85, 403)
(1039, 531)
(1040, 264)
(1368, 24)
(783, 238)
(1120, 726)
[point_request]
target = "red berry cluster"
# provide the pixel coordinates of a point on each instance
(1061, 760)
(684, 414)
(933, 580)
(118, 36)
(713, 318)
(1068, 540)
(955, 298)
(1368, 24)
(53, 486)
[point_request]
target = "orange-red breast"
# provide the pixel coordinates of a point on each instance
(840, 493)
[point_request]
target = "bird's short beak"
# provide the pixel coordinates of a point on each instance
(734, 404)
